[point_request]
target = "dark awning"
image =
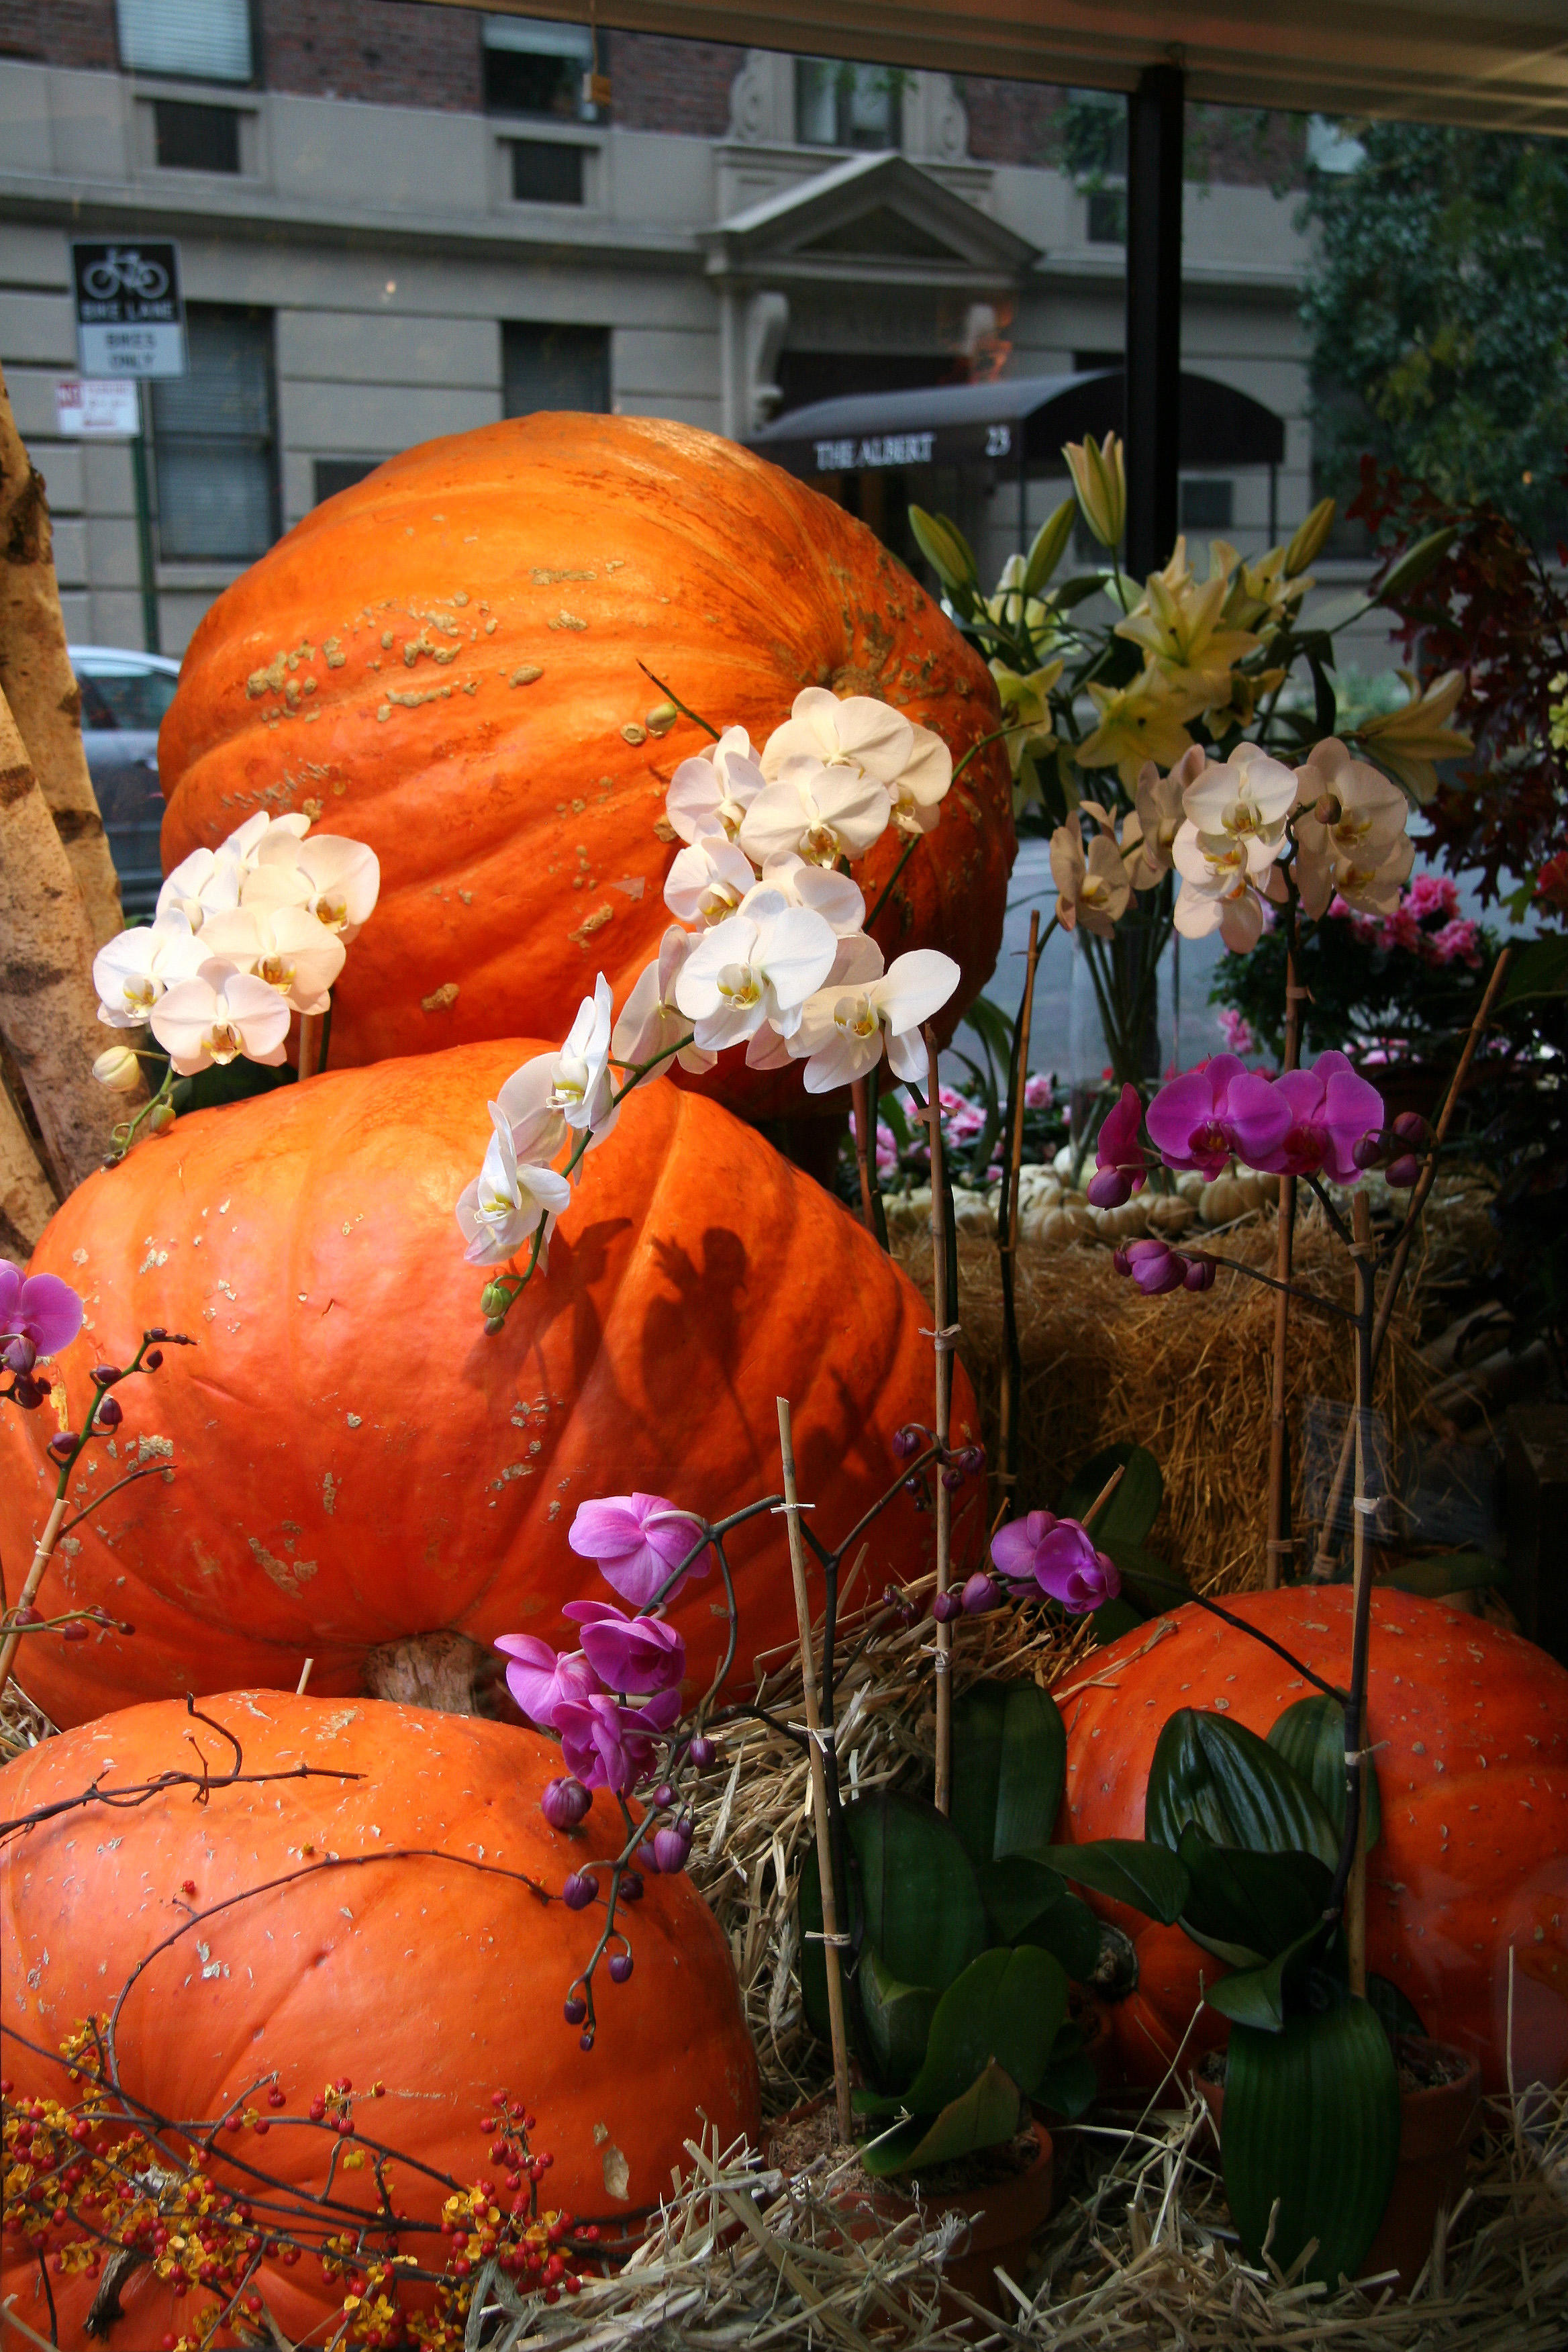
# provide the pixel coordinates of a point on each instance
(971, 423)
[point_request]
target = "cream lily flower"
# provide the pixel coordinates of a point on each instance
(1351, 836)
(1009, 610)
(710, 793)
(754, 968)
(284, 946)
(817, 813)
(707, 880)
(500, 1213)
(1180, 626)
(1027, 710)
(133, 970)
(1247, 797)
(1409, 742)
(845, 1030)
(1221, 879)
(1137, 722)
(1093, 890)
(650, 1021)
(216, 1016)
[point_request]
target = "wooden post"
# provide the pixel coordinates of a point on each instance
(942, 1341)
(814, 1734)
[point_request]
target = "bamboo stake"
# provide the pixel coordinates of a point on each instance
(1011, 1358)
(1279, 1544)
(815, 1740)
(310, 1045)
(35, 1577)
(1357, 1745)
(942, 1340)
(304, 1677)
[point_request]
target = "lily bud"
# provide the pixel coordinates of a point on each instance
(564, 1803)
(1100, 481)
(1404, 1171)
(118, 1068)
(1311, 536)
(580, 1890)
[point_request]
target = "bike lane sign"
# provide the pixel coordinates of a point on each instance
(129, 318)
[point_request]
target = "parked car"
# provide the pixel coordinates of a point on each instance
(123, 698)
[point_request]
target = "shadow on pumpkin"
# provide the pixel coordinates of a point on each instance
(703, 1318)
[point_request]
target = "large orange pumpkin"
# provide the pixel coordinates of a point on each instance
(444, 662)
(355, 1461)
(444, 1979)
(1471, 1732)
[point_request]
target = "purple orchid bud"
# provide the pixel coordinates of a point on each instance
(981, 1593)
(19, 1355)
(968, 1460)
(672, 1844)
(638, 1541)
(105, 1375)
(631, 1886)
(63, 1448)
(1404, 1171)
(639, 1654)
(1372, 1152)
(902, 1607)
(907, 1441)
(565, 1803)
(703, 1751)
(28, 1393)
(1109, 1189)
(109, 1413)
(1198, 1273)
(581, 1889)
(916, 1490)
(620, 1966)
(1119, 1152)
(1120, 1261)
(586, 2042)
(151, 1359)
(1411, 1127)
(577, 2010)
(1155, 1266)
(945, 1607)
(611, 1747)
(663, 1796)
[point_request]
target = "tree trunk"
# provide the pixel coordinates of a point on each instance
(36, 680)
(26, 1197)
(49, 1005)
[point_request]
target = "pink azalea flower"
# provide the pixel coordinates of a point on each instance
(40, 1314)
(611, 1746)
(1456, 943)
(628, 1653)
(542, 1680)
(1199, 1120)
(638, 1540)
(1060, 1557)
(1332, 1108)
(1119, 1154)
(1238, 1037)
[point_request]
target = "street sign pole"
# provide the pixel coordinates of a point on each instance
(130, 323)
(151, 635)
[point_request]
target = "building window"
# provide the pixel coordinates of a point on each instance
(838, 105)
(335, 473)
(200, 40)
(1208, 505)
(195, 138)
(1094, 150)
(214, 441)
(1107, 216)
(532, 67)
(545, 366)
(546, 172)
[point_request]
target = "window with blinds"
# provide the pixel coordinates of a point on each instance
(200, 40)
(214, 441)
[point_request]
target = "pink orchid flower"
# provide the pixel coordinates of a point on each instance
(638, 1540)
(1059, 1556)
(541, 1680)
(1332, 1109)
(628, 1653)
(611, 1746)
(1201, 1119)
(40, 1314)
(1119, 1154)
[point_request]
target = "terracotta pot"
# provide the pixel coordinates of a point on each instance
(1003, 2220)
(1435, 2126)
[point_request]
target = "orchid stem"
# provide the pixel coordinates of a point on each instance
(1007, 1221)
(685, 709)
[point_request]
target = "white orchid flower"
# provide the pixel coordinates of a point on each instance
(707, 880)
(1159, 816)
(538, 1131)
(845, 1030)
(856, 959)
(498, 1213)
(754, 969)
(1221, 884)
(1091, 890)
(859, 733)
(216, 1016)
(335, 879)
(199, 885)
(650, 1020)
(833, 896)
(262, 836)
(584, 1085)
(711, 793)
(817, 813)
(134, 969)
(1247, 797)
(284, 946)
(1351, 836)
(918, 790)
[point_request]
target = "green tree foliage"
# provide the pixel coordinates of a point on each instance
(1438, 307)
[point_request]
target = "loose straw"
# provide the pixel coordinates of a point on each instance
(830, 1936)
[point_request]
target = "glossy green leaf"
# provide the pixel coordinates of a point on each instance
(1135, 1506)
(1079, 589)
(897, 2019)
(1397, 2014)
(1311, 2118)
(1070, 1933)
(1217, 1773)
(988, 2111)
(1005, 2009)
(1050, 547)
(1149, 1878)
(1009, 1764)
(1448, 1571)
(1539, 968)
(1310, 1737)
(911, 1891)
(1068, 2087)
(1256, 1996)
(1016, 1891)
(1249, 1906)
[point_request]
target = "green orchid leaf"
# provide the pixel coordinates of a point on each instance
(1237, 1788)
(1148, 1878)
(1005, 2009)
(1247, 1906)
(988, 2111)
(1311, 2120)
(1068, 2087)
(1310, 1737)
(1135, 1506)
(910, 1894)
(1398, 2015)
(1016, 1891)
(1070, 1933)
(1256, 1997)
(897, 2017)
(1009, 1766)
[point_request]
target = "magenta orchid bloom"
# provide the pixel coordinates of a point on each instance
(628, 1653)
(1059, 1555)
(1119, 1154)
(541, 1680)
(1154, 1265)
(610, 1747)
(1333, 1110)
(638, 1541)
(1222, 1107)
(40, 1314)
